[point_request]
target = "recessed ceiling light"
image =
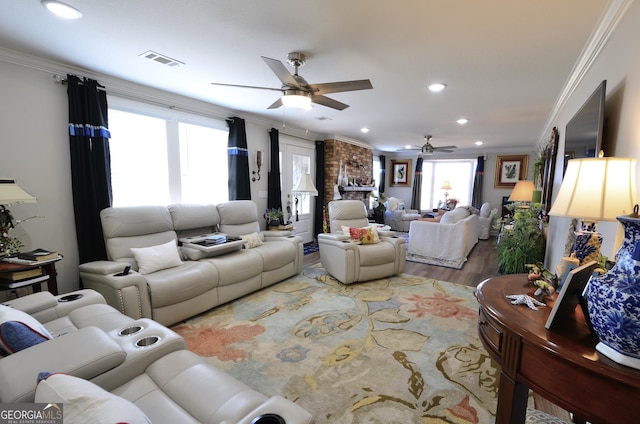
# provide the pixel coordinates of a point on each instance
(364, 130)
(479, 143)
(407, 146)
(62, 10)
(462, 121)
(437, 87)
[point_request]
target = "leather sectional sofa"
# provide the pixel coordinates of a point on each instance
(196, 278)
(108, 367)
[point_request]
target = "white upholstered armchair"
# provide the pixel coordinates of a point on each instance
(347, 260)
(397, 217)
(485, 221)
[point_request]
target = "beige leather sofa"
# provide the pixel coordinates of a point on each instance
(447, 242)
(348, 261)
(124, 368)
(196, 280)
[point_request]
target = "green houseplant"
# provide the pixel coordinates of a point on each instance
(274, 216)
(520, 241)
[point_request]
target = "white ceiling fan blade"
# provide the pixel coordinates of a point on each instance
(281, 72)
(341, 86)
(445, 147)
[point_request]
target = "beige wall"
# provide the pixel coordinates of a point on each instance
(620, 66)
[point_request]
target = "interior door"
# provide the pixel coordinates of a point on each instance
(299, 160)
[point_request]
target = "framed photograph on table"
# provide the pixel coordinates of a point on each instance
(510, 169)
(400, 173)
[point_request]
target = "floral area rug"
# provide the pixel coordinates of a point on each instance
(403, 349)
(448, 263)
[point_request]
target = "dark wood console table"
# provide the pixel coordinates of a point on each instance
(561, 365)
(48, 269)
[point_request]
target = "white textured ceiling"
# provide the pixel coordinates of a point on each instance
(505, 62)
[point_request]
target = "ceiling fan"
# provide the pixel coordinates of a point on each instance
(297, 92)
(428, 149)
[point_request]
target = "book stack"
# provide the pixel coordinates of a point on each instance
(38, 255)
(212, 240)
(15, 279)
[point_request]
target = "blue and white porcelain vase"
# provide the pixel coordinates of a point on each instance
(613, 300)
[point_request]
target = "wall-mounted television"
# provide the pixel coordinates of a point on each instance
(583, 134)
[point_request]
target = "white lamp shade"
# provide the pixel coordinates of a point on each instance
(305, 185)
(298, 99)
(446, 186)
(11, 193)
(522, 191)
(597, 189)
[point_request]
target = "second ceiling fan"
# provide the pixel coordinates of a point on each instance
(297, 89)
(428, 149)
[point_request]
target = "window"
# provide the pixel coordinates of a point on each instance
(159, 159)
(459, 173)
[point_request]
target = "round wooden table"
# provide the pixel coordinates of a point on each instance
(561, 365)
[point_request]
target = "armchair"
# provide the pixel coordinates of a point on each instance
(485, 220)
(397, 217)
(347, 260)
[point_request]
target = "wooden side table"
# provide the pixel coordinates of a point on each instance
(561, 365)
(48, 269)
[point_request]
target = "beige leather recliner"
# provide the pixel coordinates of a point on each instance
(348, 261)
(137, 360)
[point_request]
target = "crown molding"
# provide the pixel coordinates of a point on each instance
(609, 20)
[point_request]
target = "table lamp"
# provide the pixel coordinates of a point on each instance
(305, 186)
(593, 190)
(522, 193)
(446, 186)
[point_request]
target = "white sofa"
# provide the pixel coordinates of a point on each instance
(190, 281)
(397, 216)
(102, 374)
(447, 242)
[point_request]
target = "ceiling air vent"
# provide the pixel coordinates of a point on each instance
(162, 59)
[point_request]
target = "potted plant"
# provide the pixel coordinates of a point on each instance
(274, 217)
(9, 246)
(520, 241)
(378, 206)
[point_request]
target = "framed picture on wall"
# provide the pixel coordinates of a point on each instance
(509, 170)
(400, 173)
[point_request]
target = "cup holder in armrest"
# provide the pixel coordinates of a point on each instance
(147, 341)
(268, 419)
(130, 330)
(70, 297)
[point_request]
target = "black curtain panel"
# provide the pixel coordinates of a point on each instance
(238, 157)
(320, 178)
(90, 163)
(416, 196)
(477, 183)
(383, 173)
(274, 194)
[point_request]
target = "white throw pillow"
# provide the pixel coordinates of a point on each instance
(454, 216)
(156, 258)
(485, 210)
(252, 240)
(19, 330)
(84, 402)
(392, 203)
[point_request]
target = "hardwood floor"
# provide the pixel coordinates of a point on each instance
(481, 264)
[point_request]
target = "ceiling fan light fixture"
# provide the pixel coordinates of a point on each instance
(296, 98)
(437, 87)
(61, 9)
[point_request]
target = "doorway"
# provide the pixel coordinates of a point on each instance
(299, 159)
